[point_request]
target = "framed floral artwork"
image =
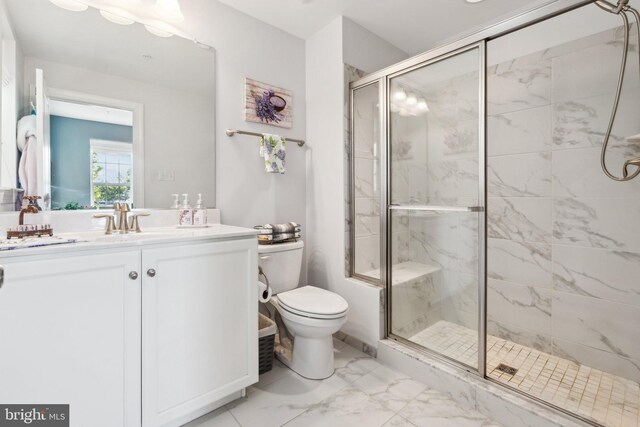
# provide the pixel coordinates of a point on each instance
(267, 104)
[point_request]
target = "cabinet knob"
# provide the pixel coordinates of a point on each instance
(151, 272)
(133, 275)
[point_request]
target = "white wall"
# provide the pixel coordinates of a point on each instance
(326, 53)
(246, 47)
(177, 127)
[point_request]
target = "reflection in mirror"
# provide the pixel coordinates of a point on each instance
(103, 112)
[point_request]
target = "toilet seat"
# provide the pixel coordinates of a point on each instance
(313, 302)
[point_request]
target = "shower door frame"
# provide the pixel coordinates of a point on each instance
(476, 40)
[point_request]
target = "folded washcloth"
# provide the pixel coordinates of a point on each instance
(274, 238)
(272, 149)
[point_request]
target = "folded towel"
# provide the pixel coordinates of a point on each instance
(273, 238)
(289, 227)
(272, 149)
(26, 141)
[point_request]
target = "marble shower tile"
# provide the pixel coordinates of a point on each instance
(525, 307)
(522, 336)
(599, 359)
(460, 299)
(434, 409)
(391, 388)
(282, 400)
(367, 218)
(597, 273)
(610, 223)
(519, 175)
(601, 324)
(519, 84)
(442, 182)
(598, 67)
(525, 219)
(364, 178)
(519, 132)
(577, 173)
(468, 243)
(367, 251)
(348, 407)
(519, 262)
(431, 241)
(582, 123)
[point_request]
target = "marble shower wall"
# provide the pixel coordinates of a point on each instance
(563, 239)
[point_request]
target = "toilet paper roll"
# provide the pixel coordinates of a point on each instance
(264, 293)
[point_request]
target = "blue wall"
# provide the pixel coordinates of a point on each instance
(70, 160)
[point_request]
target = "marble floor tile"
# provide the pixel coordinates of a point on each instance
(434, 409)
(276, 403)
(348, 407)
(398, 421)
(218, 418)
(391, 388)
(352, 364)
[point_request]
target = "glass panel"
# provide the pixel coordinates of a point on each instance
(366, 177)
(563, 253)
(434, 163)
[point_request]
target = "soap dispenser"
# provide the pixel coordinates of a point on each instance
(200, 212)
(186, 213)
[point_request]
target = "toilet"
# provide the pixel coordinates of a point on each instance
(311, 315)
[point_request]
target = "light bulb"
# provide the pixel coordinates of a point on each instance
(72, 5)
(116, 18)
(169, 10)
(400, 95)
(158, 32)
(422, 105)
(412, 99)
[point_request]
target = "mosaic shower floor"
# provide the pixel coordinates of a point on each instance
(610, 400)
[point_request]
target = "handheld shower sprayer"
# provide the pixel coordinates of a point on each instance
(621, 9)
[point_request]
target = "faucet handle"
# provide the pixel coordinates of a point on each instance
(125, 207)
(134, 223)
(110, 224)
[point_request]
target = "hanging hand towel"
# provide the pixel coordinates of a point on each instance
(272, 149)
(26, 142)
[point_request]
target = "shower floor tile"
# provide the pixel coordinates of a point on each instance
(610, 400)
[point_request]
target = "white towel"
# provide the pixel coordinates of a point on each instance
(26, 141)
(272, 149)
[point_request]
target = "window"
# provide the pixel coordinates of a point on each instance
(111, 172)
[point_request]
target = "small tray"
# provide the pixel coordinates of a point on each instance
(30, 233)
(193, 226)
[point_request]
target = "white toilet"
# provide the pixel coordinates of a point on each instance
(312, 315)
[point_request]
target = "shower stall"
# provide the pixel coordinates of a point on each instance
(479, 202)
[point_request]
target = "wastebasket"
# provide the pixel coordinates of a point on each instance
(266, 341)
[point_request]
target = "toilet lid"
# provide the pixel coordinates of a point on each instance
(311, 300)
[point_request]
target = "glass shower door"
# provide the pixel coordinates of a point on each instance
(436, 210)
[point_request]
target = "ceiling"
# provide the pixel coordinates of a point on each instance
(414, 26)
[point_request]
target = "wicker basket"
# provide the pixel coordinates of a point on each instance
(266, 341)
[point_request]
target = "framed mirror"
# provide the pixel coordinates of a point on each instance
(93, 112)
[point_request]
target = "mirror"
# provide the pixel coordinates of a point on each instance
(119, 114)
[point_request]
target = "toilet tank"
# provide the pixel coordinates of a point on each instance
(281, 263)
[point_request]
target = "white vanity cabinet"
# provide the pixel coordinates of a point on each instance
(151, 335)
(69, 334)
(199, 333)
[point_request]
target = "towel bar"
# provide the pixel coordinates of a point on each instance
(231, 132)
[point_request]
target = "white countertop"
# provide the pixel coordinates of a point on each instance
(97, 240)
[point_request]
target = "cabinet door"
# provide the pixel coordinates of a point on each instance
(70, 334)
(199, 328)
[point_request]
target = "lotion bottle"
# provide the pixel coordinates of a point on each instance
(199, 212)
(185, 212)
